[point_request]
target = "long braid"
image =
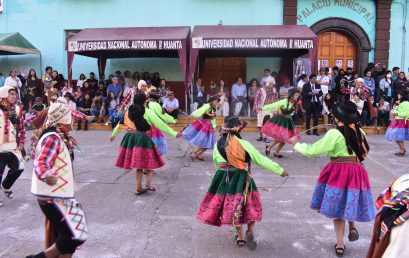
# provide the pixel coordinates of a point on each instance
(347, 140)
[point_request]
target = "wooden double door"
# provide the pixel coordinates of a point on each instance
(337, 49)
(226, 69)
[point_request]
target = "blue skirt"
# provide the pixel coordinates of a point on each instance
(201, 133)
(398, 130)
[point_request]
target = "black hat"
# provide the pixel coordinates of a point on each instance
(213, 98)
(346, 112)
(233, 122)
(154, 94)
(291, 92)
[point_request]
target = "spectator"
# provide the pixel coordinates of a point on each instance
(324, 80)
(127, 79)
(81, 80)
(369, 82)
(239, 97)
(97, 107)
(46, 79)
(385, 86)
(33, 87)
(85, 107)
(55, 80)
(349, 77)
(334, 75)
(2, 80)
(109, 81)
(156, 79)
(111, 102)
(383, 112)
(102, 89)
(36, 108)
(327, 104)
(135, 79)
(223, 92)
(92, 82)
(395, 73)
(199, 95)
(281, 78)
(115, 87)
(86, 89)
(70, 101)
(311, 92)
(78, 94)
(163, 90)
(13, 80)
(149, 87)
(115, 117)
(303, 79)
(267, 77)
(171, 105)
(127, 88)
(283, 93)
(359, 90)
(266, 95)
(67, 89)
(251, 93)
(400, 84)
(146, 77)
(373, 111)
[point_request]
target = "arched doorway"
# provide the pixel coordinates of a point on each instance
(337, 49)
(354, 32)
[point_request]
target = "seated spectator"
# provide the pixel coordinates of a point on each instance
(78, 95)
(223, 92)
(70, 101)
(86, 89)
(149, 86)
(164, 89)
(102, 89)
(383, 112)
(156, 79)
(115, 117)
(373, 111)
(111, 103)
(171, 105)
(303, 79)
(97, 107)
(238, 97)
(81, 80)
(251, 95)
(115, 87)
(327, 104)
(92, 81)
(36, 108)
(2, 79)
(146, 77)
(284, 89)
(85, 107)
(67, 89)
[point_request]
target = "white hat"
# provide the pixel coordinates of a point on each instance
(140, 83)
(4, 91)
(360, 80)
(59, 113)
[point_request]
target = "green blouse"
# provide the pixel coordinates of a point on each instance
(201, 111)
(403, 110)
(281, 104)
(159, 111)
(152, 119)
(255, 156)
(332, 144)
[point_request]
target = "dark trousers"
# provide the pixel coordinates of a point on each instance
(8, 159)
(383, 117)
(65, 243)
(174, 113)
(314, 112)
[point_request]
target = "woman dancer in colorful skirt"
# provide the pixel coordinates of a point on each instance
(233, 198)
(343, 190)
(281, 127)
(137, 148)
(157, 136)
(398, 130)
(201, 132)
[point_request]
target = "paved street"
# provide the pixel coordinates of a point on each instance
(162, 224)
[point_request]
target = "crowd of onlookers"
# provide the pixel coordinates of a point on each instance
(100, 98)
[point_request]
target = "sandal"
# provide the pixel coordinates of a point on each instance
(140, 192)
(193, 157)
(278, 156)
(200, 158)
(251, 243)
(339, 251)
(240, 243)
(353, 235)
(267, 151)
(400, 154)
(150, 188)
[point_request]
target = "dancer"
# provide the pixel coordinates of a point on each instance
(233, 198)
(137, 148)
(12, 137)
(398, 130)
(157, 136)
(53, 184)
(201, 132)
(281, 127)
(266, 95)
(128, 99)
(343, 190)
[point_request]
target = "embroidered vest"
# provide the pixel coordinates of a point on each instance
(9, 143)
(63, 170)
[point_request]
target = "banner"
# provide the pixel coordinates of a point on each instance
(258, 43)
(75, 46)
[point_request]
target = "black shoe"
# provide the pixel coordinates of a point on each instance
(267, 151)
(266, 140)
(259, 139)
(308, 133)
(316, 134)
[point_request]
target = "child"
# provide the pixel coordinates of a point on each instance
(35, 109)
(398, 130)
(115, 117)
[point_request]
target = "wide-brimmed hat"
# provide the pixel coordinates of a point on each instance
(346, 112)
(155, 94)
(233, 124)
(213, 98)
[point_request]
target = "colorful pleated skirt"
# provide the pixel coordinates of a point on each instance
(219, 205)
(343, 192)
(281, 128)
(159, 139)
(201, 133)
(398, 130)
(138, 151)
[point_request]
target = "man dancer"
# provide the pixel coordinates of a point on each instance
(12, 137)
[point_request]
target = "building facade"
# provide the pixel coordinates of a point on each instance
(351, 33)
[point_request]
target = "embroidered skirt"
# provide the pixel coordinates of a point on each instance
(343, 192)
(137, 150)
(159, 139)
(281, 128)
(398, 130)
(225, 193)
(201, 133)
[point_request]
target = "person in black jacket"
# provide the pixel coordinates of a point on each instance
(311, 93)
(199, 95)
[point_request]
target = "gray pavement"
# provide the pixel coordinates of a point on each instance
(162, 224)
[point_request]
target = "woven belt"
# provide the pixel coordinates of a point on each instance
(227, 166)
(346, 159)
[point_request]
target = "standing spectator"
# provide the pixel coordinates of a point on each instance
(238, 97)
(223, 92)
(33, 87)
(311, 92)
(146, 77)
(199, 95)
(163, 89)
(251, 93)
(327, 104)
(395, 73)
(338, 85)
(85, 107)
(369, 82)
(14, 81)
(266, 95)
(92, 82)
(115, 87)
(171, 105)
(267, 77)
(156, 79)
(97, 107)
(373, 111)
(283, 93)
(385, 86)
(400, 85)
(81, 80)
(349, 77)
(334, 75)
(149, 86)
(2, 80)
(324, 80)
(303, 79)
(383, 112)
(135, 79)
(46, 79)
(86, 89)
